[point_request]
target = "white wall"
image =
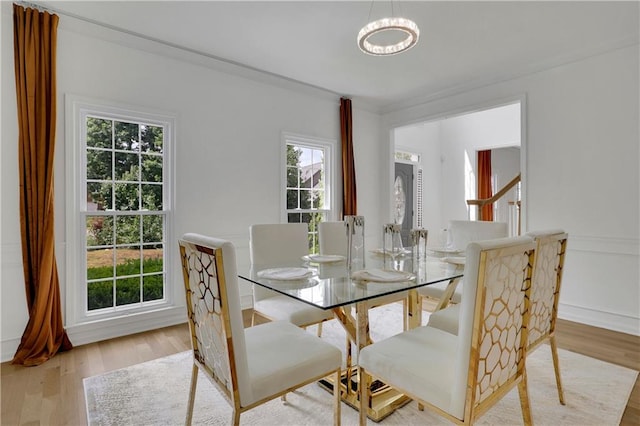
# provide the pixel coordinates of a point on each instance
(581, 174)
(227, 153)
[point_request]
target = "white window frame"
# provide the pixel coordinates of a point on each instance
(77, 109)
(329, 147)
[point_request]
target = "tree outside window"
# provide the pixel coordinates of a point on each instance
(125, 217)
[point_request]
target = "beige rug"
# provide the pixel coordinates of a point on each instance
(155, 393)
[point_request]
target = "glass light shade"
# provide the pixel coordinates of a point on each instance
(404, 25)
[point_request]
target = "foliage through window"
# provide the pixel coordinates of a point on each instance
(307, 185)
(125, 217)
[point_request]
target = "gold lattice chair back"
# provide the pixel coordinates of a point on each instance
(499, 338)
(220, 341)
(467, 372)
(208, 313)
(545, 291)
(545, 294)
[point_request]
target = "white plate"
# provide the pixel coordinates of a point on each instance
(382, 275)
(443, 250)
(382, 252)
(323, 258)
(456, 260)
(285, 274)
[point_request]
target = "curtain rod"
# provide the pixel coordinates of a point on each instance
(36, 6)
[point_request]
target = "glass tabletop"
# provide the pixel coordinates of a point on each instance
(329, 285)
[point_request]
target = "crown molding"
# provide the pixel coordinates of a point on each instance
(557, 61)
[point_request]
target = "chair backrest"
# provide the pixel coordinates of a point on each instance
(547, 279)
(214, 312)
(332, 237)
(276, 244)
(462, 232)
(492, 334)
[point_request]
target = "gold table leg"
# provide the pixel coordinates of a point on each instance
(383, 399)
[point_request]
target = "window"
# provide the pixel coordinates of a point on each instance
(123, 211)
(407, 156)
(307, 188)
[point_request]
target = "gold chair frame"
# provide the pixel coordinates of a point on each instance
(545, 296)
(224, 375)
(479, 396)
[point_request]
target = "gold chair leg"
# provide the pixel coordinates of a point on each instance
(364, 384)
(192, 394)
(320, 329)
(337, 400)
(236, 417)
(253, 318)
(524, 400)
(556, 366)
(283, 398)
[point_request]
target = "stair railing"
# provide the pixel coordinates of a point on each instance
(481, 203)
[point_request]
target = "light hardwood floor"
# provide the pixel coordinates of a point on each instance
(52, 393)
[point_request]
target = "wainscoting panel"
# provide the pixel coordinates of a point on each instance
(601, 285)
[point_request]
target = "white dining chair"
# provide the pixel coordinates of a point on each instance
(545, 295)
(249, 366)
(460, 234)
(272, 245)
(461, 376)
(332, 238)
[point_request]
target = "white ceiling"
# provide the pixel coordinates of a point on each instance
(462, 44)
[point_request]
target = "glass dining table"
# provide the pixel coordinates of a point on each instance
(327, 282)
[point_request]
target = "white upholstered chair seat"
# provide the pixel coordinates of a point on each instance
(249, 366)
(280, 244)
(285, 308)
(281, 355)
(436, 291)
(446, 319)
(401, 359)
(460, 376)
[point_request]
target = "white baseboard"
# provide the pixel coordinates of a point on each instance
(9, 348)
(96, 331)
(601, 319)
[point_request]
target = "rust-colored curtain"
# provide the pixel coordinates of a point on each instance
(349, 197)
(484, 183)
(35, 67)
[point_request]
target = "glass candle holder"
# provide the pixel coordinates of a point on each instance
(392, 242)
(418, 238)
(354, 226)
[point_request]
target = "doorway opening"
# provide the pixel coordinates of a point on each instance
(445, 154)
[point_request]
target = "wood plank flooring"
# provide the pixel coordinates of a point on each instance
(52, 393)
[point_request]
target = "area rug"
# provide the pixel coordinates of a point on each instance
(156, 392)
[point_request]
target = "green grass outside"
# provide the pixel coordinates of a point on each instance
(100, 293)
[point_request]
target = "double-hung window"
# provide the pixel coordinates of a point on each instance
(122, 210)
(309, 174)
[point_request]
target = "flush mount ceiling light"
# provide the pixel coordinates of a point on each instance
(406, 26)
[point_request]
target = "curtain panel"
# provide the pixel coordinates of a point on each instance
(349, 196)
(35, 35)
(484, 183)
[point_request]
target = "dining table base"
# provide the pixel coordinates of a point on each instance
(384, 399)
